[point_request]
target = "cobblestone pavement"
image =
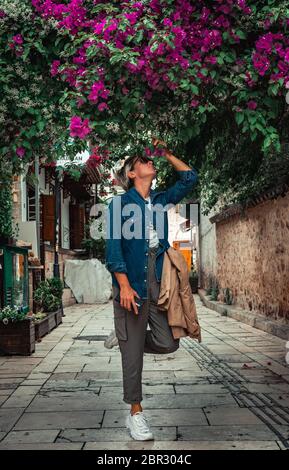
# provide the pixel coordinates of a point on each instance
(229, 392)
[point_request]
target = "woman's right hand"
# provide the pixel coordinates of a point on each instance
(127, 298)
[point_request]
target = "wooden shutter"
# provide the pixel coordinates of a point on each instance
(76, 222)
(48, 218)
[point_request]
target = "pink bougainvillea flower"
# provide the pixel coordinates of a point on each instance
(148, 151)
(79, 128)
(194, 103)
(54, 67)
(98, 90)
(252, 105)
(167, 22)
(261, 63)
(20, 151)
(94, 160)
(102, 106)
(80, 102)
(286, 55)
(18, 39)
(211, 59)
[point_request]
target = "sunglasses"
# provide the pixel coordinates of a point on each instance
(141, 159)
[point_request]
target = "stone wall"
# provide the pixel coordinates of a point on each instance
(253, 257)
(16, 198)
(62, 256)
(208, 251)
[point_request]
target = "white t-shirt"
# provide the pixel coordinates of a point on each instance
(153, 236)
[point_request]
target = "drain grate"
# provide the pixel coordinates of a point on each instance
(91, 338)
(268, 410)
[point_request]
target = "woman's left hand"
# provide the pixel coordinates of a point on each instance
(157, 142)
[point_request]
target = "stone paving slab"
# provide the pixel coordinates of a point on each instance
(201, 388)
(118, 434)
(227, 416)
(183, 445)
(42, 446)
(229, 392)
(3, 398)
(226, 433)
(28, 437)
(147, 390)
(8, 418)
(59, 420)
(160, 417)
(5, 392)
(18, 402)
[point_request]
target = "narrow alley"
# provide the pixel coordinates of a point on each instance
(229, 392)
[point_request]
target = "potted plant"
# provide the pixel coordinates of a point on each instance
(17, 332)
(48, 298)
(194, 279)
(95, 248)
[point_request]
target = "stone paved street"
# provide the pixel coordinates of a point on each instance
(230, 392)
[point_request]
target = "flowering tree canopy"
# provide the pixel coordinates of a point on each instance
(130, 64)
(208, 77)
(32, 120)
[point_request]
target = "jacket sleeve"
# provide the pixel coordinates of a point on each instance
(114, 260)
(186, 182)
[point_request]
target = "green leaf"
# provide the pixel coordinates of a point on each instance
(241, 34)
(239, 118)
(41, 125)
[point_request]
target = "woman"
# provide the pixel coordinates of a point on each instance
(135, 260)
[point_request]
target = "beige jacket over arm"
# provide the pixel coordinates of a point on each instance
(176, 296)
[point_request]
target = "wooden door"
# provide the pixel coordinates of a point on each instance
(76, 225)
(48, 218)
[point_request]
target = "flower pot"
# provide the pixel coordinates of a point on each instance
(17, 338)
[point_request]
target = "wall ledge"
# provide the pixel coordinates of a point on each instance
(250, 318)
(64, 251)
(238, 208)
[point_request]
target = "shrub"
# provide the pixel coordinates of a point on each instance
(48, 295)
(12, 314)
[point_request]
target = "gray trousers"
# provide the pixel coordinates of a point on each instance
(134, 338)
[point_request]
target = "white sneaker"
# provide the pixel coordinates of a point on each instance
(111, 341)
(138, 427)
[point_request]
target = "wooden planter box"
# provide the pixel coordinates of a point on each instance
(17, 338)
(41, 328)
(52, 320)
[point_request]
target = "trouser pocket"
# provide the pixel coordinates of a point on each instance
(120, 323)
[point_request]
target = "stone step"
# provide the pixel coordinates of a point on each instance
(68, 298)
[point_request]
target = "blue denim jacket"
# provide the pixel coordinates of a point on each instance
(130, 256)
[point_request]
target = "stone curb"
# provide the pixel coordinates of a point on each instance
(253, 319)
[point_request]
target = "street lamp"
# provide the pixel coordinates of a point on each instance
(57, 192)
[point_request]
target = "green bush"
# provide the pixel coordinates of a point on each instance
(214, 292)
(56, 286)
(94, 248)
(49, 294)
(12, 314)
(228, 296)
